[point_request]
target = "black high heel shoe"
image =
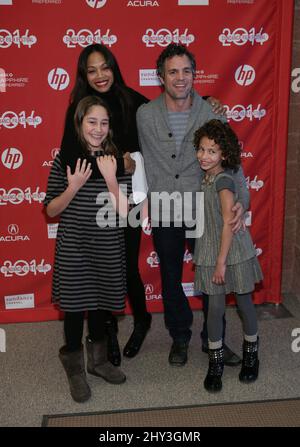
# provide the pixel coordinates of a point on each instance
(137, 338)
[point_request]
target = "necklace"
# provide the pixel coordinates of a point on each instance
(209, 179)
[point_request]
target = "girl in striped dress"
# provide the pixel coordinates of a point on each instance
(225, 262)
(89, 269)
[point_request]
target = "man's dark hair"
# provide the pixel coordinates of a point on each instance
(170, 51)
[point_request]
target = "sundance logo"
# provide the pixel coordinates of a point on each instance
(239, 112)
(241, 36)
(163, 37)
(10, 119)
(255, 184)
(7, 38)
(187, 257)
(23, 268)
(15, 195)
(85, 37)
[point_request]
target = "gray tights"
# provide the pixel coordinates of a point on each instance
(216, 310)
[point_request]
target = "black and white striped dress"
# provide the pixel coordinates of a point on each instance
(89, 268)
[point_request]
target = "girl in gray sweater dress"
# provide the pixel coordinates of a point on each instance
(224, 262)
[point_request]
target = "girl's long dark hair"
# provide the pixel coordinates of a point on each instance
(84, 105)
(82, 87)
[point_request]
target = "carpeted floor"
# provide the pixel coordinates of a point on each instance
(33, 383)
(275, 413)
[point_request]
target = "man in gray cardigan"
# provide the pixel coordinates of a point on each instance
(166, 129)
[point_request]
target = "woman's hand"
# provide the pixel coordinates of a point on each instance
(219, 273)
(129, 163)
(216, 105)
(81, 175)
(107, 165)
(238, 222)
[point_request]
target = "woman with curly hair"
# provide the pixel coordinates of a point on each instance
(225, 262)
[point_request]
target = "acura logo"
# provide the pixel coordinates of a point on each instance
(13, 229)
(148, 289)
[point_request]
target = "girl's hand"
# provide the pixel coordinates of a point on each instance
(108, 167)
(216, 105)
(81, 175)
(219, 274)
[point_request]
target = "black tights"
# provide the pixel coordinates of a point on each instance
(135, 286)
(73, 327)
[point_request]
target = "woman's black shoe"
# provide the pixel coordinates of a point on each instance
(136, 339)
(113, 348)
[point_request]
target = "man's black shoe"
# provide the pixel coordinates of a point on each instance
(230, 358)
(178, 354)
(136, 339)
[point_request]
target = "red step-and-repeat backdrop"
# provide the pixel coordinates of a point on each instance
(243, 52)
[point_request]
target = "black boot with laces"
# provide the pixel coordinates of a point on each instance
(250, 363)
(213, 379)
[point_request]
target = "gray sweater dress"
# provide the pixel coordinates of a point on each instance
(242, 267)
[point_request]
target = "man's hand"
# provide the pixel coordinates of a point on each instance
(216, 105)
(238, 222)
(129, 163)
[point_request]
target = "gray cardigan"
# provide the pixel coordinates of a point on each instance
(167, 171)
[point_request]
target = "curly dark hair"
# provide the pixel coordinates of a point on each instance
(224, 136)
(173, 49)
